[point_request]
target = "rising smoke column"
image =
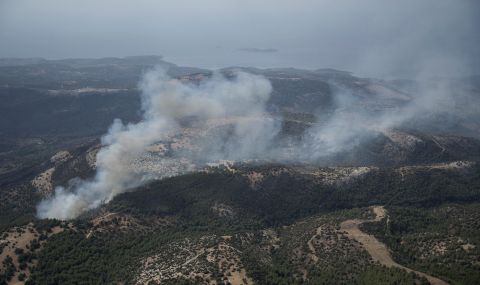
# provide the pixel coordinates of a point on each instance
(240, 101)
(164, 102)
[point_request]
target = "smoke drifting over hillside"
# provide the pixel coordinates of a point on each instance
(165, 102)
(231, 115)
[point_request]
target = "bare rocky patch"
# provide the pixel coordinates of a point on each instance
(43, 182)
(19, 246)
(207, 260)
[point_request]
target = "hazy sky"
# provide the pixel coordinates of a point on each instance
(369, 37)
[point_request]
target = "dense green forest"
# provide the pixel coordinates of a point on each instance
(172, 210)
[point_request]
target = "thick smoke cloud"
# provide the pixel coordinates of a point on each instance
(165, 102)
(231, 123)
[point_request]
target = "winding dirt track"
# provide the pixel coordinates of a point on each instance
(377, 249)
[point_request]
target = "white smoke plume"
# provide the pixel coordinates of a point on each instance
(356, 117)
(165, 101)
(251, 133)
(352, 124)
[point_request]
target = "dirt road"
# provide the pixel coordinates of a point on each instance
(377, 249)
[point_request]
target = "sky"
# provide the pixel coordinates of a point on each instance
(378, 38)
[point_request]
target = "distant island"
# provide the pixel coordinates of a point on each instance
(262, 50)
